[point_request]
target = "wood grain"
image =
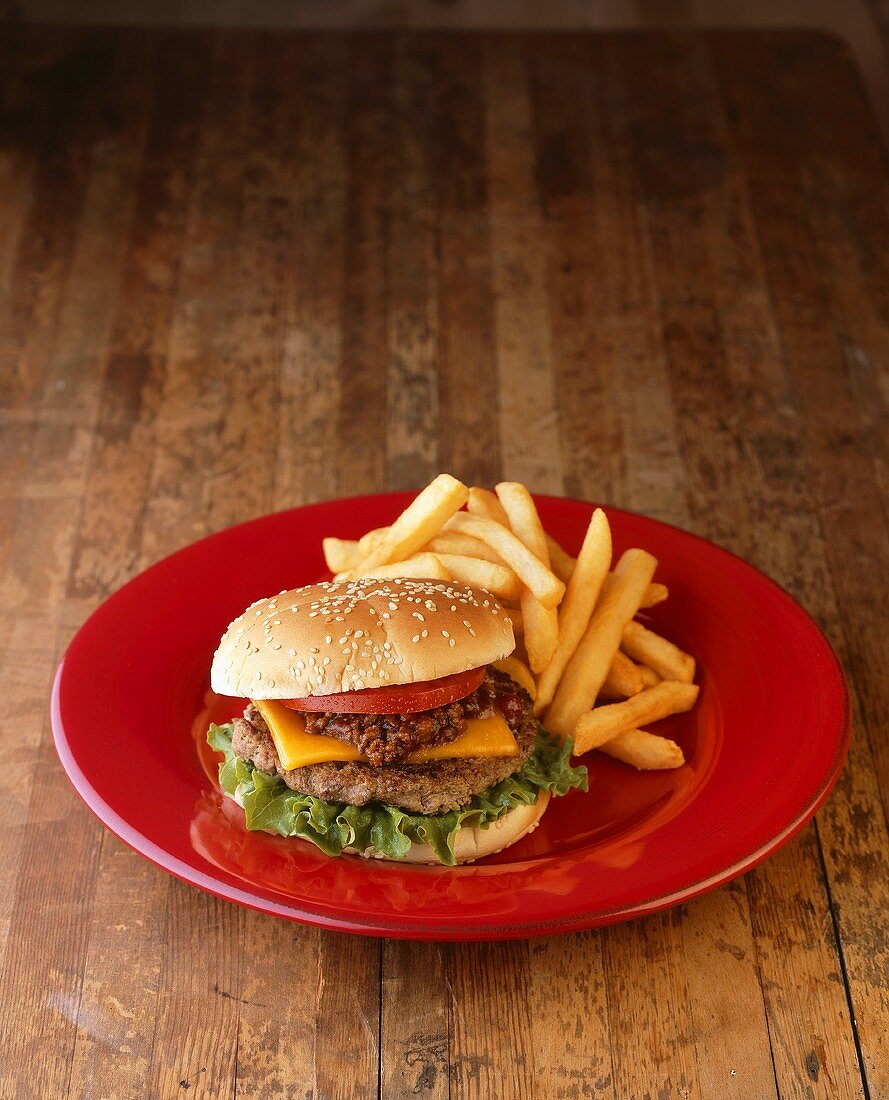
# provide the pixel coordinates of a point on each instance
(242, 271)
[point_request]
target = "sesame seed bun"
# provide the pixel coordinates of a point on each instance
(473, 844)
(348, 635)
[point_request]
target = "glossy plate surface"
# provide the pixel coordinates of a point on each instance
(764, 745)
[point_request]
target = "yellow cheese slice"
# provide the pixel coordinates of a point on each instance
(297, 748)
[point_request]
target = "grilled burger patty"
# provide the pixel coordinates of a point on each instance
(432, 788)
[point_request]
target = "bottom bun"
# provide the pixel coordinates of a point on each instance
(473, 844)
(469, 844)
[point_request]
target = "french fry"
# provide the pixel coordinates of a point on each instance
(654, 594)
(340, 554)
(417, 565)
(343, 554)
(541, 623)
(667, 659)
(519, 671)
(498, 579)
(649, 676)
(545, 585)
(560, 561)
(645, 751)
(424, 517)
(601, 724)
(623, 680)
(562, 564)
(484, 503)
(586, 671)
(452, 542)
(584, 585)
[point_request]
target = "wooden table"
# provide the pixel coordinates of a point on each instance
(244, 271)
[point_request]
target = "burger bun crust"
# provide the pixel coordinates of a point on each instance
(349, 635)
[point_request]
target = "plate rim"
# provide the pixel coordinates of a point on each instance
(403, 929)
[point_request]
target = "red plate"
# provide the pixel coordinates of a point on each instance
(764, 744)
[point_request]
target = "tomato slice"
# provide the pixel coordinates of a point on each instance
(395, 698)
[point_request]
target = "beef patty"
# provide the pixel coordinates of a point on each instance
(432, 788)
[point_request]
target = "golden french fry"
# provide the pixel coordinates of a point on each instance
(645, 751)
(343, 554)
(417, 565)
(584, 585)
(649, 676)
(541, 631)
(484, 503)
(424, 517)
(601, 724)
(585, 673)
(545, 585)
(560, 561)
(668, 660)
(519, 671)
(452, 542)
(498, 579)
(541, 623)
(654, 594)
(340, 554)
(623, 680)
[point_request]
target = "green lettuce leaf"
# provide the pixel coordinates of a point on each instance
(377, 827)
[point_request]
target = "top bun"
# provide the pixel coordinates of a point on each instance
(347, 635)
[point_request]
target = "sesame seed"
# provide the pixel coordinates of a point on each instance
(415, 638)
(451, 642)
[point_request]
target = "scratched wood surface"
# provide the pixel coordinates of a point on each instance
(244, 271)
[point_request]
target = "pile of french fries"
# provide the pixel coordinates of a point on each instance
(594, 672)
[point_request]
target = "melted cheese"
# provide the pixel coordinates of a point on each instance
(297, 748)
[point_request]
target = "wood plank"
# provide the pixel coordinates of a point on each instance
(651, 477)
(364, 353)
(469, 445)
(529, 420)
(108, 543)
(565, 89)
(567, 1000)
(411, 267)
(309, 383)
(416, 1004)
(493, 1042)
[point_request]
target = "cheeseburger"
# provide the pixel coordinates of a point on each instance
(385, 718)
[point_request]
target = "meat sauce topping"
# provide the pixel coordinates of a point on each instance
(389, 738)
